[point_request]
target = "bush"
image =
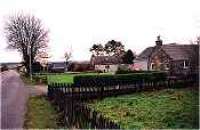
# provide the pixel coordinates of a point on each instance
(121, 71)
(98, 71)
(80, 67)
(101, 80)
(36, 67)
(40, 78)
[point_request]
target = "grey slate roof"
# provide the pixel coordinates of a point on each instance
(173, 50)
(180, 52)
(106, 60)
(145, 54)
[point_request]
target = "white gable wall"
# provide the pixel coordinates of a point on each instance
(141, 64)
(103, 68)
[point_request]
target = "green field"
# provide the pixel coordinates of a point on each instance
(169, 108)
(60, 78)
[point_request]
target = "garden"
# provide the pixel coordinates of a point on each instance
(168, 108)
(174, 106)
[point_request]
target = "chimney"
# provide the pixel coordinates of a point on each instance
(158, 41)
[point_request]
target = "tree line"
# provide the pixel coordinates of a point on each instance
(113, 48)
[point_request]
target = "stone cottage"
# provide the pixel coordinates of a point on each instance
(174, 58)
(142, 61)
(106, 63)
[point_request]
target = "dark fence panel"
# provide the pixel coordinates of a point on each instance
(69, 98)
(101, 90)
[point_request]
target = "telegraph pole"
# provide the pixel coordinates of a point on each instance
(30, 67)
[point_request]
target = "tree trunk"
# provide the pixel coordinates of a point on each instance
(27, 64)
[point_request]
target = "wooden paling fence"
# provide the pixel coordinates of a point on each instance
(111, 89)
(78, 115)
(69, 99)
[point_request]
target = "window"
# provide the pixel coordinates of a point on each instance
(107, 67)
(185, 64)
(167, 66)
(152, 66)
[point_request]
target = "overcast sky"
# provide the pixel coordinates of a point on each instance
(78, 24)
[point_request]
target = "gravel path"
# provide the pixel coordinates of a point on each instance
(14, 95)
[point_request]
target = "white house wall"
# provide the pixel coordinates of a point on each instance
(112, 68)
(141, 64)
(100, 67)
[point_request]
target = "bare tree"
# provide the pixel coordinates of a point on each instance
(68, 55)
(26, 34)
(198, 40)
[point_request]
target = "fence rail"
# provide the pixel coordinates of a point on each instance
(69, 98)
(88, 92)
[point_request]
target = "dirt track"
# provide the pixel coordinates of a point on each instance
(14, 95)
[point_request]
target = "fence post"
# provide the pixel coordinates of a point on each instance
(48, 91)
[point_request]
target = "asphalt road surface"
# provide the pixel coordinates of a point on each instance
(14, 95)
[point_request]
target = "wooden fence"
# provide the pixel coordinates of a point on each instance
(69, 99)
(77, 115)
(106, 90)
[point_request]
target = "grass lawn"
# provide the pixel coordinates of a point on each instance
(40, 114)
(60, 78)
(67, 78)
(169, 108)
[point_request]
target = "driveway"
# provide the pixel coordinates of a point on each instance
(14, 95)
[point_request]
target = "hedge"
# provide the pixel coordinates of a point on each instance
(133, 71)
(101, 80)
(41, 78)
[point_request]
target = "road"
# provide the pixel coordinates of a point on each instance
(13, 95)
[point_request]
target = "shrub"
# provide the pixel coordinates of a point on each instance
(98, 71)
(36, 67)
(121, 71)
(80, 67)
(40, 78)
